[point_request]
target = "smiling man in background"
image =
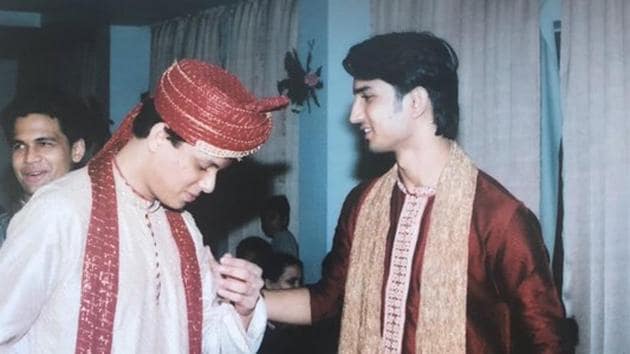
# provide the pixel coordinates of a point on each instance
(49, 133)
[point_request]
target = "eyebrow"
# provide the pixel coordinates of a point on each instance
(46, 139)
(361, 89)
(42, 139)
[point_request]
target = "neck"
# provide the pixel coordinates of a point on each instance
(130, 166)
(421, 165)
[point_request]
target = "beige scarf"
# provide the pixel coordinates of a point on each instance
(442, 318)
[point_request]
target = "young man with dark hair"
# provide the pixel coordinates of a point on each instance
(117, 265)
(434, 256)
(50, 133)
(274, 221)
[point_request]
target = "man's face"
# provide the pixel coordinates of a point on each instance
(41, 152)
(384, 118)
(182, 173)
(270, 222)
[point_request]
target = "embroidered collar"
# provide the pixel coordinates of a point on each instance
(419, 191)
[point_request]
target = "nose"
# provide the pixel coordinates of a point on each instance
(208, 181)
(356, 113)
(31, 155)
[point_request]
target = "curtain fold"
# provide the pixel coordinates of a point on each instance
(249, 39)
(594, 74)
(498, 46)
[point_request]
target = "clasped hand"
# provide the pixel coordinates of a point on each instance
(239, 282)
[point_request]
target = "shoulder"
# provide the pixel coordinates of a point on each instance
(495, 207)
(57, 213)
(74, 181)
(63, 197)
(356, 194)
(492, 194)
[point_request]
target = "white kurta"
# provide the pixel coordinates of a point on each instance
(41, 265)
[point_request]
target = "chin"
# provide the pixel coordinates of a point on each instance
(174, 205)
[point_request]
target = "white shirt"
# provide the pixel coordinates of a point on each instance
(41, 266)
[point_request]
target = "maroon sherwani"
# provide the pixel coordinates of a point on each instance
(512, 303)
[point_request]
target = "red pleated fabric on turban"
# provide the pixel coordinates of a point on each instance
(210, 108)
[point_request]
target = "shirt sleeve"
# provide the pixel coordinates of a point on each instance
(223, 330)
(521, 266)
(41, 240)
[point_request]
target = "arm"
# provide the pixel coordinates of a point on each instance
(42, 241)
(521, 268)
(324, 299)
(289, 306)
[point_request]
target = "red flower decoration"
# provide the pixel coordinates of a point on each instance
(301, 84)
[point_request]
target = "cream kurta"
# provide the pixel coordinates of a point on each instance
(41, 265)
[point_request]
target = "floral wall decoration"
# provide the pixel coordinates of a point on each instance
(301, 85)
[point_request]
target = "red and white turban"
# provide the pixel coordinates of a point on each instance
(210, 109)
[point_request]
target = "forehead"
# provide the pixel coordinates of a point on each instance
(206, 159)
(360, 86)
(36, 125)
(291, 271)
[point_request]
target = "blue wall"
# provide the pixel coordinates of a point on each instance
(313, 144)
(20, 19)
(327, 147)
(130, 53)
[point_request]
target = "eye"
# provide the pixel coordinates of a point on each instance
(17, 146)
(46, 143)
(204, 166)
(366, 97)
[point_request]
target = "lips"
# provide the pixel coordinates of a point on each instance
(34, 177)
(189, 197)
(366, 131)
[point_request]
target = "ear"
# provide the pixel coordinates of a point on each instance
(157, 136)
(77, 150)
(419, 101)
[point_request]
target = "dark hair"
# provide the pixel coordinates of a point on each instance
(255, 250)
(277, 203)
(147, 118)
(407, 60)
(77, 118)
(277, 263)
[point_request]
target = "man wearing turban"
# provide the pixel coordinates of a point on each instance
(105, 259)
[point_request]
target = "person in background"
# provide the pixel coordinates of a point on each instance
(434, 255)
(283, 271)
(106, 259)
(274, 221)
(49, 134)
(255, 250)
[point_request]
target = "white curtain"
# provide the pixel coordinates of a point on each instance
(594, 74)
(497, 42)
(197, 36)
(262, 31)
(249, 39)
